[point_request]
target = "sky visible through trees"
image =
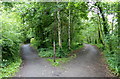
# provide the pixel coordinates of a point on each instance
(55, 29)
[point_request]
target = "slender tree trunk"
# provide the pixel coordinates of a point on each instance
(69, 41)
(100, 30)
(54, 38)
(59, 28)
(105, 25)
(112, 25)
(54, 48)
(118, 22)
(110, 44)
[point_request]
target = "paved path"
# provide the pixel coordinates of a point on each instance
(88, 63)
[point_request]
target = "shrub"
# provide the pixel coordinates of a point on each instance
(47, 52)
(34, 42)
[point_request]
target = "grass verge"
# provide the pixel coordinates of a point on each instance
(60, 61)
(112, 58)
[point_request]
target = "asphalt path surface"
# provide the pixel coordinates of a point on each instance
(88, 63)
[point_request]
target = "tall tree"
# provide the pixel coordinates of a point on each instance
(59, 27)
(105, 25)
(69, 40)
(118, 22)
(100, 34)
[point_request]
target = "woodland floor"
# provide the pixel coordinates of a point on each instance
(88, 63)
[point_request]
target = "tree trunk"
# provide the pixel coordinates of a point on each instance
(105, 25)
(118, 22)
(100, 31)
(69, 41)
(112, 25)
(54, 59)
(54, 38)
(59, 28)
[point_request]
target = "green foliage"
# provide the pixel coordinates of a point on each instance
(10, 70)
(100, 46)
(57, 63)
(112, 53)
(10, 42)
(10, 37)
(39, 22)
(43, 52)
(61, 52)
(47, 52)
(34, 42)
(60, 61)
(43, 20)
(93, 33)
(113, 61)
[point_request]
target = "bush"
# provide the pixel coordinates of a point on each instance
(44, 52)
(112, 54)
(47, 52)
(10, 69)
(34, 42)
(10, 43)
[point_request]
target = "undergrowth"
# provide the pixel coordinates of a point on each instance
(46, 52)
(112, 57)
(11, 69)
(60, 61)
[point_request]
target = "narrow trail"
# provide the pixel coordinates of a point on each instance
(88, 63)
